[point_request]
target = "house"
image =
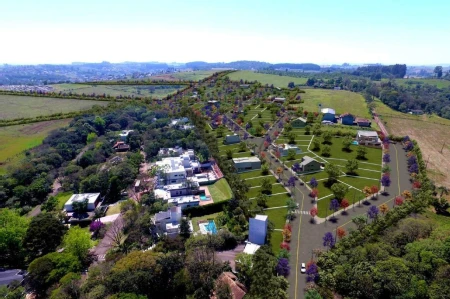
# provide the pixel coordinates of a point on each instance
(247, 163)
(363, 122)
(179, 121)
(170, 152)
(416, 112)
(337, 88)
(184, 202)
(328, 114)
(245, 86)
(368, 138)
(184, 188)
(230, 139)
(238, 290)
(284, 149)
(168, 222)
(92, 200)
(347, 119)
(298, 123)
(124, 134)
(120, 146)
(137, 186)
(171, 170)
(213, 103)
(258, 229)
(308, 164)
(279, 100)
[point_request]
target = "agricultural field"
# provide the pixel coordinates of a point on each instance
(412, 82)
(185, 76)
(431, 133)
(277, 81)
(14, 140)
(156, 91)
(14, 107)
(340, 100)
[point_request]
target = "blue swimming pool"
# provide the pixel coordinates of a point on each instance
(355, 142)
(203, 197)
(211, 227)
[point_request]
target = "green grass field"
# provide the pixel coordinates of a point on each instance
(188, 76)
(278, 81)
(412, 82)
(156, 91)
(62, 198)
(22, 106)
(340, 100)
(275, 241)
(220, 190)
(14, 140)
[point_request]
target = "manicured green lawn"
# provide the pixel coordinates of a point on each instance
(252, 174)
(277, 216)
(220, 190)
(275, 241)
(253, 192)
(257, 182)
(115, 209)
(205, 217)
(278, 200)
(62, 198)
(361, 164)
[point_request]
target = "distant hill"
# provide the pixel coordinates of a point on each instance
(248, 65)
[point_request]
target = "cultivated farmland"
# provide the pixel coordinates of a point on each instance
(156, 91)
(24, 107)
(14, 140)
(187, 76)
(277, 81)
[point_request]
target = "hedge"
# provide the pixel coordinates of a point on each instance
(205, 210)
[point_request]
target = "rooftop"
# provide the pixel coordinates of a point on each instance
(91, 197)
(368, 133)
(261, 217)
(328, 110)
(246, 159)
(251, 248)
(306, 160)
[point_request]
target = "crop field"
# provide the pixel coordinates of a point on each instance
(156, 91)
(340, 100)
(277, 81)
(188, 76)
(431, 133)
(14, 140)
(23, 106)
(412, 82)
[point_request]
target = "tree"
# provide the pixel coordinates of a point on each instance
(442, 190)
(80, 207)
(346, 143)
(283, 267)
(77, 241)
(441, 205)
(13, 228)
(44, 234)
(316, 145)
(360, 222)
(361, 153)
(307, 130)
(351, 166)
(291, 181)
(398, 201)
(229, 154)
(265, 169)
(266, 186)
(313, 182)
(279, 172)
(334, 205)
(328, 240)
(327, 136)
(373, 212)
(384, 208)
(185, 230)
(242, 147)
(340, 232)
(291, 85)
(312, 271)
(312, 294)
(222, 290)
(291, 207)
(50, 204)
(438, 71)
(344, 203)
(313, 212)
(374, 190)
(386, 158)
(244, 264)
(291, 154)
(261, 200)
(440, 287)
(333, 172)
(339, 190)
(385, 181)
(326, 151)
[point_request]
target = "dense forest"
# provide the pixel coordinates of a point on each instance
(376, 72)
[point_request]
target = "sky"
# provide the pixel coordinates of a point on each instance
(323, 32)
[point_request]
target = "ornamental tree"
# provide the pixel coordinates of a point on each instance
(340, 232)
(285, 245)
(416, 185)
(384, 208)
(312, 272)
(385, 181)
(328, 240)
(398, 201)
(291, 181)
(374, 189)
(344, 203)
(339, 190)
(334, 205)
(373, 212)
(313, 212)
(314, 193)
(386, 158)
(351, 166)
(283, 267)
(313, 182)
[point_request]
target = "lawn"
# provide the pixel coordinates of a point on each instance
(277, 216)
(113, 209)
(412, 82)
(252, 174)
(275, 241)
(62, 198)
(257, 182)
(14, 140)
(277, 81)
(220, 190)
(254, 192)
(14, 107)
(340, 100)
(205, 217)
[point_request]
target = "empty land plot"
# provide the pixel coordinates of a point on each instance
(26, 107)
(155, 91)
(278, 81)
(340, 100)
(186, 76)
(14, 140)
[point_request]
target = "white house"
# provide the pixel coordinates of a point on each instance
(258, 229)
(247, 163)
(168, 221)
(368, 138)
(184, 202)
(92, 199)
(124, 135)
(284, 149)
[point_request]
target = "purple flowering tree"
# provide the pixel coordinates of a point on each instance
(268, 139)
(247, 126)
(245, 136)
(406, 138)
(280, 125)
(291, 181)
(313, 182)
(334, 205)
(414, 168)
(266, 126)
(412, 160)
(386, 158)
(385, 181)
(312, 272)
(296, 167)
(373, 212)
(283, 267)
(409, 146)
(328, 240)
(95, 226)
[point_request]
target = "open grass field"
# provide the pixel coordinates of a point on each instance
(277, 81)
(14, 140)
(275, 241)
(220, 190)
(13, 107)
(194, 76)
(412, 82)
(431, 133)
(63, 197)
(340, 100)
(156, 91)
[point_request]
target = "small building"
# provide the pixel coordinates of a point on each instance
(92, 200)
(328, 114)
(363, 122)
(416, 112)
(347, 119)
(238, 290)
(298, 123)
(247, 164)
(184, 201)
(168, 222)
(121, 146)
(124, 134)
(368, 138)
(309, 164)
(284, 149)
(231, 139)
(279, 100)
(213, 103)
(258, 229)
(245, 86)
(137, 186)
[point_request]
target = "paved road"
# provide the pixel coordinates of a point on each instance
(105, 244)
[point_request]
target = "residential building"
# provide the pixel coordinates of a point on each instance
(347, 119)
(92, 199)
(231, 139)
(279, 100)
(238, 290)
(168, 222)
(309, 164)
(416, 112)
(124, 135)
(258, 229)
(363, 122)
(170, 152)
(179, 121)
(368, 138)
(184, 202)
(247, 163)
(245, 86)
(284, 149)
(120, 146)
(328, 114)
(213, 103)
(298, 123)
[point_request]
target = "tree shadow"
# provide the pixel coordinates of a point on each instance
(366, 203)
(344, 213)
(362, 158)
(312, 221)
(347, 150)
(334, 219)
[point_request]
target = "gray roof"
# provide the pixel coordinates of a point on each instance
(368, 133)
(162, 215)
(246, 159)
(328, 110)
(306, 160)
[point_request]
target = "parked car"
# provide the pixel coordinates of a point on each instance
(303, 269)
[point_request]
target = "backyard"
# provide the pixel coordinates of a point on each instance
(220, 190)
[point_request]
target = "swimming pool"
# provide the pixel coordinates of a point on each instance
(203, 197)
(211, 227)
(355, 142)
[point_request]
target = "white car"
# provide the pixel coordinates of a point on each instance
(303, 269)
